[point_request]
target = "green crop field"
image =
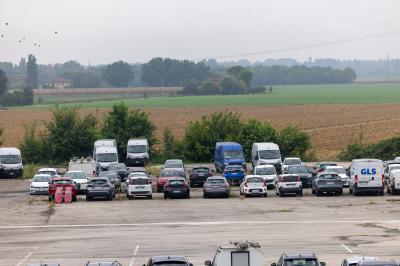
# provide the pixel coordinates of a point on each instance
(282, 95)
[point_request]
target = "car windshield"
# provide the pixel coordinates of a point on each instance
(118, 166)
(137, 149)
(269, 154)
(301, 262)
(297, 170)
(176, 182)
(336, 170)
(137, 174)
(170, 173)
(292, 161)
(290, 178)
(10, 159)
(76, 175)
(265, 171)
(41, 178)
(47, 173)
(170, 263)
(98, 182)
(201, 170)
(233, 154)
(255, 180)
(173, 165)
(139, 181)
(329, 176)
(62, 182)
(106, 157)
(234, 168)
(215, 181)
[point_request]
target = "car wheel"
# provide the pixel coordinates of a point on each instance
(150, 197)
(204, 195)
(227, 195)
(74, 198)
(265, 195)
(110, 198)
(301, 193)
(88, 198)
(350, 191)
(318, 193)
(165, 196)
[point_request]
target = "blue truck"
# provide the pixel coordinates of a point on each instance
(228, 153)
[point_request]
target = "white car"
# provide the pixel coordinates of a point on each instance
(139, 186)
(393, 185)
(268, 173)
(341, 173)
(388, 168)
(291, 161)
(253, 185)
(40, 184)
(80, 179)
(48, 171)
(355, 260)
(288, 184)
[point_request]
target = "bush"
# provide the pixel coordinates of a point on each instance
(18, 98)
(293, 142)
(1, 133)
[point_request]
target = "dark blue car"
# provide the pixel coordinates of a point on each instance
(234, 174)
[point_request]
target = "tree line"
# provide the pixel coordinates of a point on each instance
(69, 134)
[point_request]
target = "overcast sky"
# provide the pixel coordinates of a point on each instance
(103, 31)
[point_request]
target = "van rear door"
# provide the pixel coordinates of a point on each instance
(370, 173)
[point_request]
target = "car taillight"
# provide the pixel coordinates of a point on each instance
(383, 179)
(226, 185)
(356, 178)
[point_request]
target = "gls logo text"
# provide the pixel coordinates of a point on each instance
(368, 171)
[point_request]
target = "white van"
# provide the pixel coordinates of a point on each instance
(11, 162)
(393, 185)
(86, 165)
(104, 156)
(103, 142)
(366, 175)
(238, 254)
(137, 152)
(266, 153)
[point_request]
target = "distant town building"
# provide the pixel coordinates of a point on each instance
(59, 83)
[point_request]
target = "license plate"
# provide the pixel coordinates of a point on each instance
(329, 183)
(176, 191)
(140, 187)
(362, 182)
(256, 190)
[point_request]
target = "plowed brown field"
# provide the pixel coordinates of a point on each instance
(330, 126)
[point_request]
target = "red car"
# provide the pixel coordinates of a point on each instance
(60, 181)
(165, 175)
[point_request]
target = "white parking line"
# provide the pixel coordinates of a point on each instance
(134, 255)
(347, 248)
(26, 257)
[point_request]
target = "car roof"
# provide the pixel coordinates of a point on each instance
(77, 171)
(266, 145)
(99, 178)
(47, 169)
(299, 255)
(358, 259)
(334, 166)
(138, 176)
(169, 258)
(327, 173)
(265, 166)
(174, 161)
(292, 158)
(172, 169)
(377, 262)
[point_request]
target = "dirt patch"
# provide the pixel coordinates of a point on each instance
(49, 212)
(386, 229)
(330, 126)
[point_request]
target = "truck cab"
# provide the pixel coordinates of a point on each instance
(237, 254)
(11, 162)
(266, 153)
(137, 152)
(105, 155)
(228, 153)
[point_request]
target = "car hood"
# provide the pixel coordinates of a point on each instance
(136, 155)
(269, 177)
(40, 184)
(80, 181)
(270, 161)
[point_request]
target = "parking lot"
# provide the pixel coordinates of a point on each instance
(334, 227)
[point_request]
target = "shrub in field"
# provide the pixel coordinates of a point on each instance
(1, 133)
(293, 142)
(122, 125)
(18, 98)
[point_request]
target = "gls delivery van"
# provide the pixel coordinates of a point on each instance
(10, 162)
(266, 153)
(228, 153)
(137, 152)
(366, 175)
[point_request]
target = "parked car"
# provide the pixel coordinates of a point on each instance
(393, 186)
(388, 167)
(174, 163)
(353, 261)
(166, 174)
(40, 184)
(366, 175)
(298, 259)
(80, 179)
(48, 171)
(199, 175)
(237, 254)
(120, 168)
(253, 185)
(320, 167)
(139, 186)
(268, 173)
(216, 186)
(138, 170)
(377, 263)
(176, 187)
(326, 182)
(288, 184)
(100, 187)
(290, 161)
(60, 181)
(114, 179)
(303, 172)
(103, 263)
(234, 174)
(341, 173)
(168, 260)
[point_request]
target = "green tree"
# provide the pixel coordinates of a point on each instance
(3, 83)
(209, 88)
(191, 87)
(256, 131)
(293, 142)
(32, 79)
(122, 124)
(200, 136)
(118, 74)
(170, 144)
(230, 85)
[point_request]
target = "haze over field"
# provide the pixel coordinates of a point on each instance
(103, 31)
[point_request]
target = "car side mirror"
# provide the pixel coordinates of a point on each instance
(273, 264)
(322, 263)
(190, 264)
(256, 158)
(207, 263)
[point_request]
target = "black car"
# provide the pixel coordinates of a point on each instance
(320, 167)
(100, 187)
(113, 177)
(168, 260)
(103, 263)
(303, 172)
(327, 183)
(299, 259)
(199, 175)
(120, 168)
(176, 187)
(377, 263)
